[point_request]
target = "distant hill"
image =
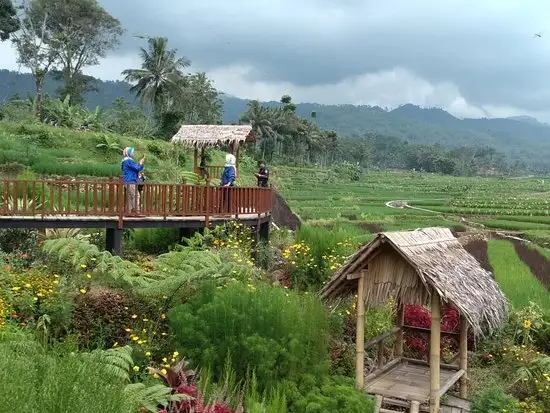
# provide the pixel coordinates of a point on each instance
(521, 137)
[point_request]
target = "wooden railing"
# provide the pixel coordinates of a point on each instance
(108, 199)
(213, 173)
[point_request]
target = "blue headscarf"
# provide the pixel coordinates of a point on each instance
(128, 152)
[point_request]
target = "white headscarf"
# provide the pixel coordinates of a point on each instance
(230, 160)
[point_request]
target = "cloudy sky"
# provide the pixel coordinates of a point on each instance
(473, 58)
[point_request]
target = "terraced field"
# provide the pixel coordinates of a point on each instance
(510, 204)
(519, 205)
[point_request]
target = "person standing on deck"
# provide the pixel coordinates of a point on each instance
(130, 172)
(262, 175)
(229, 175)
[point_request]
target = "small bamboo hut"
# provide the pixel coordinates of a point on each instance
(202, 136)
(428, 267)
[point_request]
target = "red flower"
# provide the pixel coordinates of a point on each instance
(14, 316)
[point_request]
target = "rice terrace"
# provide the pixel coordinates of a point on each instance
(169, 247)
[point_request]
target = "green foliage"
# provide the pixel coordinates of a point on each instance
(59, 381)
(155, 240)
(352, 171)
(494, 400)
(327, 394)
(275, 333)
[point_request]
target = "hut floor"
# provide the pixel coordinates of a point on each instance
(407, 381)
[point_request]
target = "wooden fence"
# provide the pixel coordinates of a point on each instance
(108, 199)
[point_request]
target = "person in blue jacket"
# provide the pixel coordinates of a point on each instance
(229, 175)
(130, 173)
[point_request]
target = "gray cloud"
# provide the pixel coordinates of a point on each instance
(462, 54)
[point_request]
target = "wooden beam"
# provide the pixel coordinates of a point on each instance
(415, 407)
(452, 380)
(463, 354)
(384, 369)
(360, 336)
(435, 356)
(427, 330)
(354, 276)
(399, 321)
(425, 363)
(381, 337)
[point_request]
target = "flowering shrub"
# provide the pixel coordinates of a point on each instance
(309, 270)
(22, 292)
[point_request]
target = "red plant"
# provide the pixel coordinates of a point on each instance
(419, 316)
(182, 381)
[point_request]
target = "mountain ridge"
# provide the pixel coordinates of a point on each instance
(519, 137)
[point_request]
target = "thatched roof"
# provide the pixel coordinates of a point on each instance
(409, 265)
(205, 135)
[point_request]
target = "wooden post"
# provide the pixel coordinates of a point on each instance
(195, 156)
(378, 403)
(463, 351)
(400, 319)
(415, 407)
(360, 335)
(237, 159)
(435, 342)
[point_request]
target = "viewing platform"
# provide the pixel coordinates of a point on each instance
(102, 204)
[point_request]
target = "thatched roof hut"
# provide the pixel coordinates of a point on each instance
(208, 135)
(409, 265)
(425, 266)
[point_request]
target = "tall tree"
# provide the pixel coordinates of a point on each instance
(80, 32)
(32, 46)
(160, 80)
(8, 20)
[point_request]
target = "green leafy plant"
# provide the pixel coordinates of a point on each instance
(494, 400)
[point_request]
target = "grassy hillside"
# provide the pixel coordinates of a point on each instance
(63, 153)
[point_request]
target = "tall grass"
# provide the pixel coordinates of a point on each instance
(36, 381)
(515, 278)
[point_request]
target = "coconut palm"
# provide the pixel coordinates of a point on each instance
(160, 79)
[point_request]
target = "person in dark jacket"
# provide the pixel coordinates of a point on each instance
(262, 175)
(229, 175)
(130, 172)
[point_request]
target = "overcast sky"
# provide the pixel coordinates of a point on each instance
(473, 58)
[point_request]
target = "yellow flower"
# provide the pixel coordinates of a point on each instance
(82, 291)
(148, 353)
(134, 315)
(83, 266)
(15, 288)
(127, 330)
(28, 285)
(88, 275)
(116, 344)
(527, 324)
(135, 338)
(176, 354)
(136, 368)
(163, 371)
(163, 316)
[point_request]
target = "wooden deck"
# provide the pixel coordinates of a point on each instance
(37, 203)
(409, 381)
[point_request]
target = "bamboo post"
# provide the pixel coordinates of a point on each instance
(195, 156)
(463, 351)
(435, 342)
(378, 403)
(237, 158)
(415, 407)
(360, 335)
(400, 320)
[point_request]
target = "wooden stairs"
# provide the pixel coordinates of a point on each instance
(388, 405)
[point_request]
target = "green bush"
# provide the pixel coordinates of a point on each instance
(275, 333)
(154, 240)
(34, 381)
(327, 394)
(494, 400)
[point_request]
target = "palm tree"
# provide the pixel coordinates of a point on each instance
(260, 118)
(160, 79)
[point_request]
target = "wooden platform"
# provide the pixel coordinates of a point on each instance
(409, 381)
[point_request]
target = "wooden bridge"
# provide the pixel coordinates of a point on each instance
(102, 204)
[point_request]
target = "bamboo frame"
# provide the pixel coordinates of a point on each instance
(463, 354)
(400, 320)
(360, 335)
(435, 356)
